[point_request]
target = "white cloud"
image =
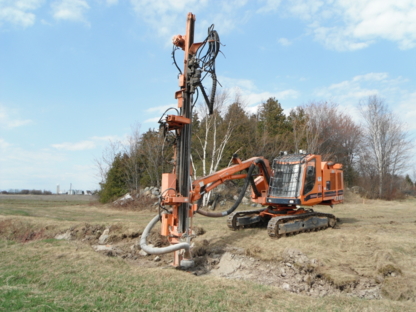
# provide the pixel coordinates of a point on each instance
(4, 144)
(71, 10)
(251, 95)
(8, 122)
(353, 25)
(18, 12)
(164, 15)
(152, 120)
(243, 84)
(106, 138)
(407, 110)
(42, 169)
(371, 77)
(160, 109)
(77, 146)
(349, 93)
(269, 6)
(284, 41)
(168, 17)
(91, 143)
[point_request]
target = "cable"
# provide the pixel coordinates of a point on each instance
(160, 119)
(207, 64)
(174, 59)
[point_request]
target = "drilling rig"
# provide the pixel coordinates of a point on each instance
(283, 189)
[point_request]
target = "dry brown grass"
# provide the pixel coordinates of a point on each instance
(374, 239)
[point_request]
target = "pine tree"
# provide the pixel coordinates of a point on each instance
(115, 185)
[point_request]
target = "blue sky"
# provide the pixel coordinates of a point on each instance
(75, 74)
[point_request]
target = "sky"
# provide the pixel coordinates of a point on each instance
(77, 74)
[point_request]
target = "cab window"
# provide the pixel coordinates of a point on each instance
(310, 176)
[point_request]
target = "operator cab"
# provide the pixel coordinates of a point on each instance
(295, 180)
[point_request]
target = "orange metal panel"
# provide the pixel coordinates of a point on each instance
(168, 184)
(181, 81)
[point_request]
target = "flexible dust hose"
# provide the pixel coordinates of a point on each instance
(161, 250)
(236, 204)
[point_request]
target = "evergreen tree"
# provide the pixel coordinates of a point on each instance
(115, 184)
(241, 136)
(271, 119)
(408, 180)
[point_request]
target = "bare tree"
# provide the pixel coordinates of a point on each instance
(213, 136)
(133, 166)
(386, 143)
(320, 132)
(154, 154)
(211, 142)
(103, 164)
(299, 122)
(130, 150)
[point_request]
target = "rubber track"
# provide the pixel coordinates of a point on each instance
(232, 218)
(273, 224)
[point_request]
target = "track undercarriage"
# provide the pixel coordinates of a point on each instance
(281, 222)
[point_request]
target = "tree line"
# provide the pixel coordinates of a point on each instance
(374, 152)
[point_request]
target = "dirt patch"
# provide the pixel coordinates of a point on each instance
(23, 232)
(296, 273)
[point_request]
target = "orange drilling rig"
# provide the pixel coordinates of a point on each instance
(283, 189)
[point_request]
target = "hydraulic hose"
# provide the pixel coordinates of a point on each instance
(238, 201)
(158, 250)
(264, 168)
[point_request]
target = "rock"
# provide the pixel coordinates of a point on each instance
(124, 200)
(289, 265)
(220, 187)
(132, 247)
(286, 286)
(156, 259)
(143, 253)
(362, 293)
(155, 193)
(67, 236)
(235, 197)
(245, 200)
(104, 237)
(102, 248)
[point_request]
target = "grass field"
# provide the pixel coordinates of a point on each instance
(372, 249)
